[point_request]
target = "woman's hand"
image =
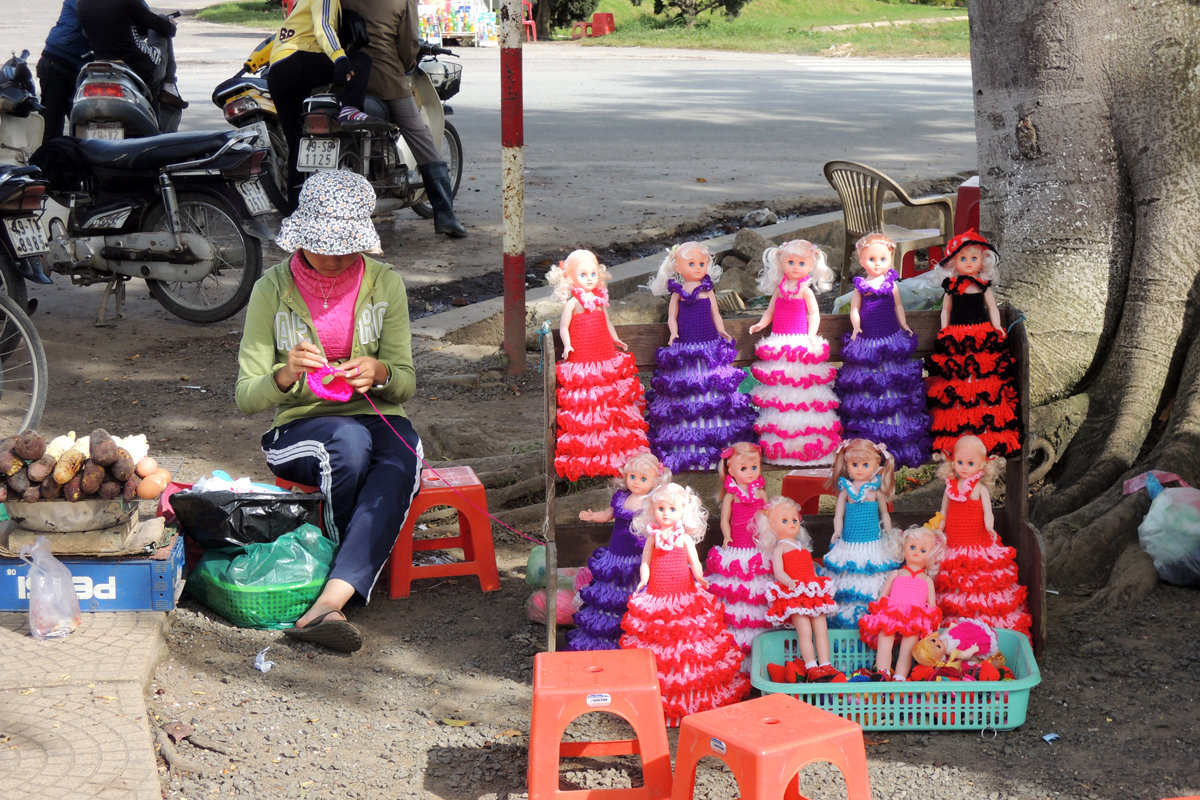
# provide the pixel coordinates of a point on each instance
(363, 372)
(302, 359)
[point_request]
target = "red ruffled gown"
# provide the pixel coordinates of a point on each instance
(600, 399)
(903, 611)
(812, 596)
(699, 663)
(978, 575)
(738, 575)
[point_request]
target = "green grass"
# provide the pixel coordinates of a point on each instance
(252, 13)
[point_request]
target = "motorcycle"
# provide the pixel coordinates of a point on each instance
(246, 103)
(113, 102)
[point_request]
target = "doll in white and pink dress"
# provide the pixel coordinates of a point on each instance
(738, 572)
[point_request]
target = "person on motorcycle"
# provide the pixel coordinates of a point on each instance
(394, 47)
(113, 26)
(305, 54)
(62, 57)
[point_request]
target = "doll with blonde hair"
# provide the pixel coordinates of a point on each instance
(862, 551)
(738, 572)
(616, 568)
(599, 397)
(799, 597)
(699, 663)
(908, 606)
(967, 650)
(879, 384)
(978, 578)
(696, 410)
(797, 409)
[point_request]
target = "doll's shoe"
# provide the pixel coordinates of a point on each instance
(825, 673)
(777, 673)
(861, 675)
(881, 675)
(796, 672)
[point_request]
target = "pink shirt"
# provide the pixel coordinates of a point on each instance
(330, 301)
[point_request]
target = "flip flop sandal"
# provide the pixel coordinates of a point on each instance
(335, 634)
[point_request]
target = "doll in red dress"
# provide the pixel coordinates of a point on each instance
(799, 597)
(600, 399)
(978, 576)
(670, 614)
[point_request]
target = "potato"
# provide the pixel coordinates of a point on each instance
(51, 490)
(3, 492)
(73, 489)
(68, 464)
(110, 489)
(32, 494)
(145, 467)
(103, 448)
(153, 484)
(29, 446)
(41, 469)
(18, 481)
(93, 476)
(129, 491)
(122, 468)
(9, 462)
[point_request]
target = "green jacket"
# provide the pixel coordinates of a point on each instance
(277, 318)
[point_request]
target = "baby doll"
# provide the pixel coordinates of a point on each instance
(699, 663)
(799, 597)
(978, 577)
(600, 399)
(737, 571)
(967, 650)
(908, 608)
(859, 557)
(797, 410)
(615, 569)
(696, 409)
(879, 384)
(971, 387)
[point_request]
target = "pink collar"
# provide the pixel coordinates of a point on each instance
(744, 495)
(597, 298)
(667, 538)
(784, 292)
(970, 483)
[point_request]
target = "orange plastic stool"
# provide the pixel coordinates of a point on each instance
(806, 486)
(569, 685)
(766, 742)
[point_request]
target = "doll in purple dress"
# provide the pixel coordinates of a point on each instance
(879, 385)
(695, 409)
(616, 568)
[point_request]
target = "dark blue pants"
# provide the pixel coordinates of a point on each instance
(368, 476)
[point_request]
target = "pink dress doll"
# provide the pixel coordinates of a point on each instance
(600, 399)
(967, 650)
(908, 608)
(797, 410)
(615, 569)
(978, 577)
(799, 597)
(695, 409)
(737, 571)
(699, 663)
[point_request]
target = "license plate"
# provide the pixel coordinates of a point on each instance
(104, 130)
(262, 136)
(255, 197)
(26, 235)
(317, 154)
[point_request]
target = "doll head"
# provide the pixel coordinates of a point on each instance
(875, 253)
(578, 270)
(860, 460)
(970, 253)
(969, 457)
(642, 473)
(922, 548)
(672, 504)
(741, 461)
(930, 651)
(794, 260)
(689, 261)
(780, 519)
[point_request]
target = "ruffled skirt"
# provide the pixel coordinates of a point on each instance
(807, 598)
(858, 571)
(980, 582)
(972, 389)
(599, 423)
(739, 577)
(605, 599)
(884, 617)
(797, 409)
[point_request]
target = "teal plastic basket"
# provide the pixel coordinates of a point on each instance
(904, 705)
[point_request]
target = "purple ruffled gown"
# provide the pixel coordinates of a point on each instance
(694, 408)
(879, 384)
(615, 573)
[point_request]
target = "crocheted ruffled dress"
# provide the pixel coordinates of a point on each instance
(797, 410)
(695, 409)
(615, 572)
(699, 663)
(978, 575)
(879, 385)
(903, 611)
(861, 559)
(812, 596)
(599, 396)
(971, 387)
(738, 575)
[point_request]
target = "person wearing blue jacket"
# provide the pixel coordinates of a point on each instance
(62, 57)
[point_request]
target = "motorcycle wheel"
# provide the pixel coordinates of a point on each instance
(236, 266)
(452, 153)
(11, 283)
(279, 157)
(23, 372)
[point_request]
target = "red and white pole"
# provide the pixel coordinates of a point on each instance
(512, 142)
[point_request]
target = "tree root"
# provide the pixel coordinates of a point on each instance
(1133, 578)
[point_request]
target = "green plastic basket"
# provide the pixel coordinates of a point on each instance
(270, 607)
(904, 705)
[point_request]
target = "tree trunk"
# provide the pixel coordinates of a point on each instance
(1088, 122)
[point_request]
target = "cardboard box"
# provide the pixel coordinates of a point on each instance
(152, 583)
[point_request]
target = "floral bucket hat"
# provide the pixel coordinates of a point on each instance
(333, 217)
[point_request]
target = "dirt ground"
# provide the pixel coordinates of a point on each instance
(437, 703)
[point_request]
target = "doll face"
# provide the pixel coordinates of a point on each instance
(876, 259)
(969, 260)
(917, 551)
(586, 275)
(667, 512)
(785, 521)
(744, 468)
(967, 461)
(862, 466)
(796, 264)
(691, 264)
(938, 647)
(641, 481)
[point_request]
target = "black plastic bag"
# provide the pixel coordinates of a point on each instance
(234, 519)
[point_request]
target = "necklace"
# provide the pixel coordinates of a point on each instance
(324, 292)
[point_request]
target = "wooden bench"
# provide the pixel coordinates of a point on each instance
(572, 542)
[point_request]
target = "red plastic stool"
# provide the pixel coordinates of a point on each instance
(806, 486)
(569, 685)
(766, 742)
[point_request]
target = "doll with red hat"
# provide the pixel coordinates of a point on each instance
(971, 386)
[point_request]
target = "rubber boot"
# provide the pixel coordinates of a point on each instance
(436, 176)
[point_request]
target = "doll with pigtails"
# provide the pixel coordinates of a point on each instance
(695, 409)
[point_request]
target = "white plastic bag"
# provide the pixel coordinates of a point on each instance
(53, 604)
(1170, 533)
